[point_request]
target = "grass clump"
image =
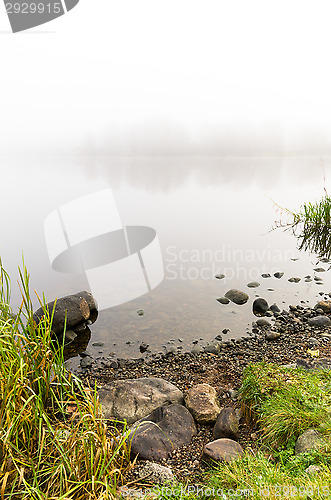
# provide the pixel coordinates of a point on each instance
(311, 225)
(286, 402)
(54, 442)
(258, 475)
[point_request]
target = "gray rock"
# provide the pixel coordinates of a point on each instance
(219, 276)
(227, 425)
(237, 296)
(319, 270)
(171, 350)
(319, 321)
(294, 280)
(154, 473)
(314, 364)
(266, 275)
(222, 450)
(133, 399)
(98, 344)
(196, 349)
(213, 348)
(86, 362)
(233, 394)
(253, 284)
(278, 275)
(260, 306)
(223, 300)
(262, 322)
(274, 308)
(312, 342)
(161, 432)
(310, 440)
(272, 335)
(201, 400)
(69, 311)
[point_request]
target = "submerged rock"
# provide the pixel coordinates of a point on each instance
(294, 280)
(219, 276)
(237, 296)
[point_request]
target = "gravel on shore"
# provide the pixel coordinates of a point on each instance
(224, 372)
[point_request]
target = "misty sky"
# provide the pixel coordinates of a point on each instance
(177, 77)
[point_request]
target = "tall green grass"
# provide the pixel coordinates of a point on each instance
(286, 402)
(54, 442)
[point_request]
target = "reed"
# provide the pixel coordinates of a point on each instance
(54, 441)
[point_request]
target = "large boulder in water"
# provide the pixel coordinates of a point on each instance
(69, 311)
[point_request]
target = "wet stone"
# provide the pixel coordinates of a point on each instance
(223, 300)
(253, 284)
(237, 296)
(278, 275)
(260, 306)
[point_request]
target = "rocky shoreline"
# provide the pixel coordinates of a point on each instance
(297, 337)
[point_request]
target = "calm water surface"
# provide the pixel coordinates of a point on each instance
(212, 215)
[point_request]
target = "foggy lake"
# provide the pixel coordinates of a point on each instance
(212, 215)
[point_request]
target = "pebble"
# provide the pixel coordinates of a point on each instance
(223, 300)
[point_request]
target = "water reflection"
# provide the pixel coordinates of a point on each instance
(312, 228)
(162, 174)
